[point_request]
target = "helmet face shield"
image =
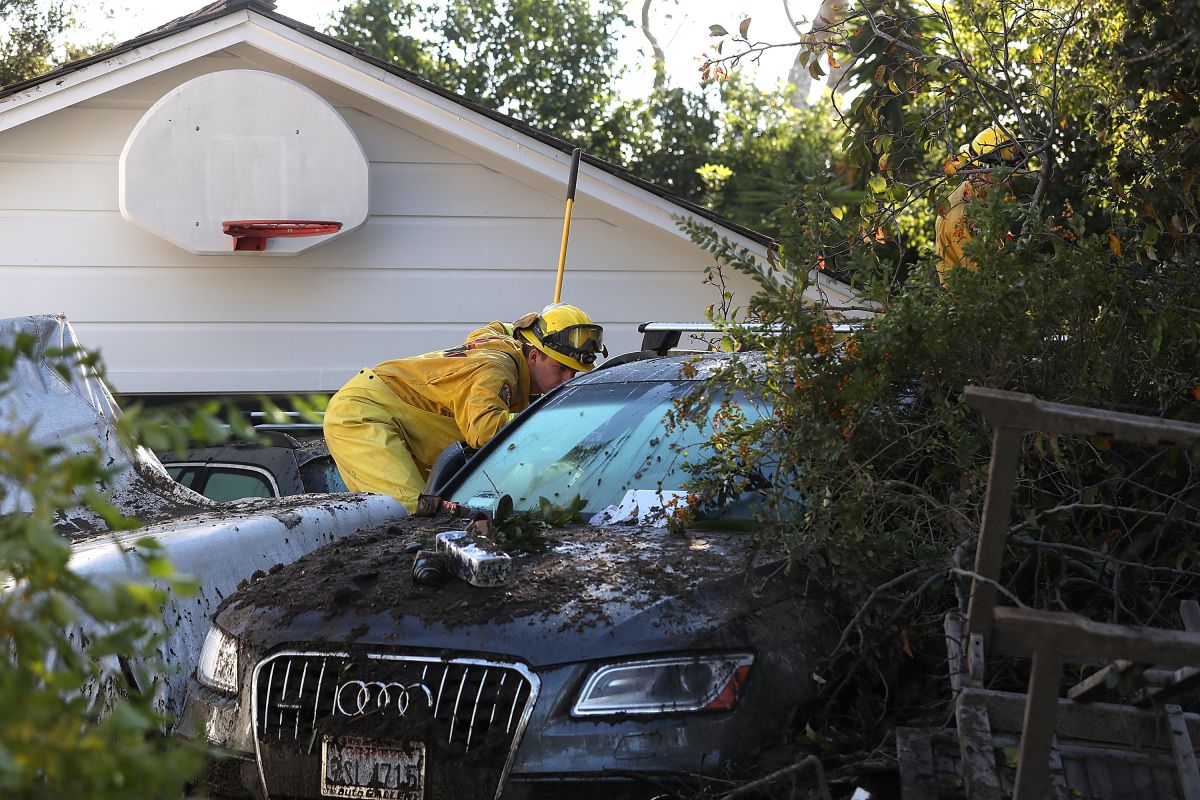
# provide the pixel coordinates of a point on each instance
(580, 342)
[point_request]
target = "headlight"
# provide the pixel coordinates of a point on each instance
(218, 667)
(665, 685)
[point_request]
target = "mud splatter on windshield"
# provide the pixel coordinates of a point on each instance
(597, 441)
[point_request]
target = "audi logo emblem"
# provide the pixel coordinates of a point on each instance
(376, 695)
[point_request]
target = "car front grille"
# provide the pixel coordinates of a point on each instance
(468, 714)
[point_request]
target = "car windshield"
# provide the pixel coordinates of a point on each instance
(597, 441)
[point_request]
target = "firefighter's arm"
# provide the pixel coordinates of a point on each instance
(481, 408)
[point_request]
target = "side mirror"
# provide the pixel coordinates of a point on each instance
(447, 464)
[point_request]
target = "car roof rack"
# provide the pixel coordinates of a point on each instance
(663, 337)
(298, 428)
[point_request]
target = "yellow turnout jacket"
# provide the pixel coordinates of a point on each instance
(387, 425)
(952, 231)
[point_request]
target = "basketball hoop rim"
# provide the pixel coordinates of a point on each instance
(252, 234)
(271, 228)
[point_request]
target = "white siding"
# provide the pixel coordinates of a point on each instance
(451, 242)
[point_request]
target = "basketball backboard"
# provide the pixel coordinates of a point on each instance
(241, 145)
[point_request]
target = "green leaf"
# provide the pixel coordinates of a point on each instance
(185, 585)
(272, 413)
(241, 427)
(59, 610)
(48, 546)
(159, 567)
(116, 520)
(144, 595)
(717, 30)
(156, 439)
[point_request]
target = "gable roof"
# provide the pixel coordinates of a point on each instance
(34, 88)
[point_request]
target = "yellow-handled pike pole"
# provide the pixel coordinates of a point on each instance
(562, 252)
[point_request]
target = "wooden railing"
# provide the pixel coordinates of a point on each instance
(1053, 638)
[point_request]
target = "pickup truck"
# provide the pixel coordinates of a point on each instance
(220, 544)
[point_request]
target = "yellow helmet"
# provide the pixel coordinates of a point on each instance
(992, 145)
(566, 334)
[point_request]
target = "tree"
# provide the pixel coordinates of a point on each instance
(1154, 160)
(771, 146)
(671, 135)
(32, 28)
(1085, 290)
(558, 72)
(549, 64)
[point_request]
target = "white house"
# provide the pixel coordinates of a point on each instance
(111, 207)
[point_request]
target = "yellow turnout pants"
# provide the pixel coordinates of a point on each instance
(382, 444)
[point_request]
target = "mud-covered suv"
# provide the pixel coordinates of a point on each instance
(630, 659)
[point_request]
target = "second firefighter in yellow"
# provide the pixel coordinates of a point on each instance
(388, 424)
(952, 228)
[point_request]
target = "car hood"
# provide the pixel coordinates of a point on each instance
(595, 593)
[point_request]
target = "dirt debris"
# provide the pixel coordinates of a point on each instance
(584, 571)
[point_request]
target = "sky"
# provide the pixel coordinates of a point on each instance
(681, 26)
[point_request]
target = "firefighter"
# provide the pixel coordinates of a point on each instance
(952, 230)
(388, 424)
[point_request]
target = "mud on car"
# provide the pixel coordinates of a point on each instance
(626, 660)
(63, 404)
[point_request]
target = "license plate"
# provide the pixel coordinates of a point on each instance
(353, 768)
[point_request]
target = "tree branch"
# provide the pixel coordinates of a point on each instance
(660, 58)
(883, 587)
